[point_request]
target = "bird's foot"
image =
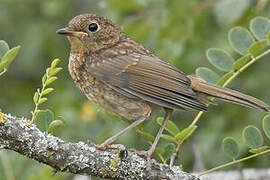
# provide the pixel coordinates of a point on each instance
(110, 146)
(102, 147)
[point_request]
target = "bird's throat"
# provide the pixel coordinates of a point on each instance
(76, 45)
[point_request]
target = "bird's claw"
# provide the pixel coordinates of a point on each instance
(110, 146)
(102, 147)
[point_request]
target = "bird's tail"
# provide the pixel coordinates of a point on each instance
(227, 94)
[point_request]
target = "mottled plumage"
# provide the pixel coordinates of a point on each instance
(123, 77)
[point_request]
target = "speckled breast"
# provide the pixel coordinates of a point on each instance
(101, 94)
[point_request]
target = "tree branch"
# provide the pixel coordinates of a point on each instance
(80, 158)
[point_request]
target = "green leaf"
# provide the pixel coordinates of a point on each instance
(47, 91)
(207, 74)
(269, 36)
(170, 126)
(230, 147)
(252, 137)
(3, 48)
(240, 39)
(44, 78)
(258, 150)
(3, 72)
(9, 57)
(220, 59)
(48, 71)
(50, 80)
(257, 47)
(225, 12)
(146, 135)
(168, 150)
(224, 78)
(159, 150)
(54, 63)
(185, 133)
(266, 125)
(54, 71)
(54, 125)
(239, 63)
(260, 27)
(35, 98)
(112, 115)
(42, 100)
(43, 119)
(168, 138)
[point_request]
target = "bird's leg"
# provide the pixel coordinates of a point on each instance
(149, 153)
(116, 136)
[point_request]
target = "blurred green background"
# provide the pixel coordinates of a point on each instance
(178, 31)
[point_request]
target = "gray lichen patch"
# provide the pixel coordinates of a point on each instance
(80, 158)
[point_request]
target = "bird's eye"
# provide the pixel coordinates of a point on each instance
(93, 27)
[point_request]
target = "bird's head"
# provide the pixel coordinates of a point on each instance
(88, 33)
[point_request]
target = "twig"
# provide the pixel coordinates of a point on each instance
(234, 162)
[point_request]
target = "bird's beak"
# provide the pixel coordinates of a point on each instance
(68, 32)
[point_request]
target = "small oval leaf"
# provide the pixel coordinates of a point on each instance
(42, 100)
(220, 59)
(43, 118)
(146, 135)
(169, 138)
(257, 47)
(54, 63)
(44, 79)
(170, 126)
(50, 80)
(266, 126)
(240, 40)
(258, 150)
(230, 147)
(185, 133)
(47, 91)
(54, 125)
(260, 26)
(239, 63)
(9, 57)
(54, 71)
(168, 151)
(225, 12)
(207, 74)
(224, 78)
(3, 48)
(252, 137)
(159, 150)
(35, 98)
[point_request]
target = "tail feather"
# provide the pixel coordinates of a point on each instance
(228, 95)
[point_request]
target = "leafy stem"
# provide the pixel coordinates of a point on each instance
(234, 162)
(38, 95)
(234, 75)
(47, 79)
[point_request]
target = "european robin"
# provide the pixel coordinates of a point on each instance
(123, 77)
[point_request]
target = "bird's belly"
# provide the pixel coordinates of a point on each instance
(107, 98)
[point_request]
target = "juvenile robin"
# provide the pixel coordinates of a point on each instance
(123, 77)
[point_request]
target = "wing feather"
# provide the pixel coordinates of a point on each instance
(146, 77)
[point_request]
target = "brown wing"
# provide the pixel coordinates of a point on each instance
(146, 77)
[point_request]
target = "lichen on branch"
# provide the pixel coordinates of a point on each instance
(80, 158)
